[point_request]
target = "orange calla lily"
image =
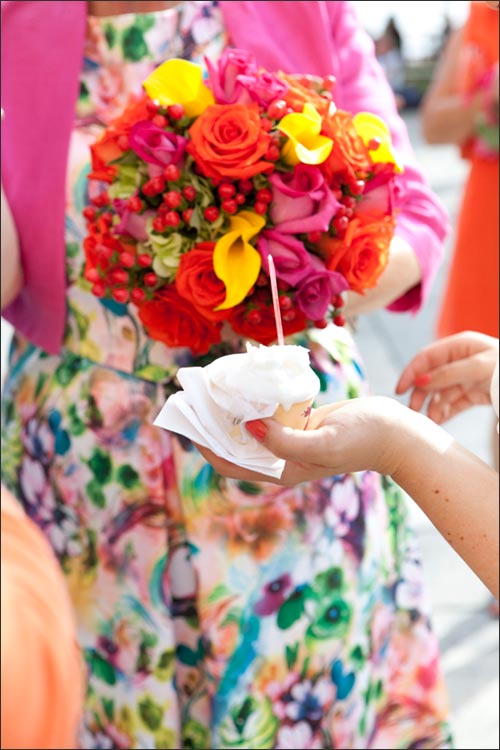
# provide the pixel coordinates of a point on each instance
(370, 127)
(306, 145)
(179, 82)
(236, 262)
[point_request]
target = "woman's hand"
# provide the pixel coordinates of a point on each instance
(341, 438)
(454, 373)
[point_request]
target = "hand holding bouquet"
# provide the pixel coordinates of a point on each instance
(196, 184)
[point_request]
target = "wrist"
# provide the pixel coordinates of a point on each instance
(390, 437)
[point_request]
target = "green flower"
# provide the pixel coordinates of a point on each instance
(167, 251)
(330, 581)
(195, 736)
(333, 622)
(251, 725)
(126, 182)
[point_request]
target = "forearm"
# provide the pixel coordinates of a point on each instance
(449, 119)
(12, 276)
(455, 489)
(401, 274)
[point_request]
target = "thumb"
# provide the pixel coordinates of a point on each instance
(300, 446)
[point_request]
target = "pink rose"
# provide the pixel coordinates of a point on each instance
(302, 202)
(291, 259)
(264, 88)
(155, 145)
(380, 196)
(315, 292)
(223, 77)
(131, 223)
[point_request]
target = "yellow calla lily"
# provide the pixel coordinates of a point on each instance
(236, 262)
(369, 126)
(179, 82)
(306, 145)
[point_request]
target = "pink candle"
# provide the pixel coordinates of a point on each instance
(276, 301)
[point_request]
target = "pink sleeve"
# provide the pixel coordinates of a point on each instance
(361, 85)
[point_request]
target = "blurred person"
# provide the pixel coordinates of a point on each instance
(209, 615)
(456, 490)
(461, 107)
(42, 669)
(389, 51)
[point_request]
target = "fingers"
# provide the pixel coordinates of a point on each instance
(463, 372)
(442, 354)
(417, 399)
(230, 470)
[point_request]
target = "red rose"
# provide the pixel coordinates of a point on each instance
(196, 282)
(171, 319)
(111, 145)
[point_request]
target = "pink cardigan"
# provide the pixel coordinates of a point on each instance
(42, 49)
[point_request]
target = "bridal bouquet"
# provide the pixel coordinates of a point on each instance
(197, 183)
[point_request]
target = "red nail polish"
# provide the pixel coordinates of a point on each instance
(422, 379)
(257, 429)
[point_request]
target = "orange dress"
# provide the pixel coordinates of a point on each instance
(42, 672)
(472, 292)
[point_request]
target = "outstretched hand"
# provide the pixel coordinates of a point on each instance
(341, 438)
(453, 374)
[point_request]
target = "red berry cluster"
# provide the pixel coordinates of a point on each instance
(114, 269)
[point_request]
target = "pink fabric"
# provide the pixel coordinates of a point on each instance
(327, 39)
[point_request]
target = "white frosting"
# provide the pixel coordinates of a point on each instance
(279, 375)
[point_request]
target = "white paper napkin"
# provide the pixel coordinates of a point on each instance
(214, 419)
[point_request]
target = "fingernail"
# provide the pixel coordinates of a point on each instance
(257, 429)
(422, 379)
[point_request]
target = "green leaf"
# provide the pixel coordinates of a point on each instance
(221, 591)
(153, 372)
(72, 249)
(164, 670)
(110, 34)
(249, 488)
(100, 465)
(67, 370)
(291, 655)
(150, 713)
(186, 655)
(100, 667)
(127, 476)
(76, 425)
(42, 379)
(134, 45)
(95, 493)
(291, 611)
(109, 708)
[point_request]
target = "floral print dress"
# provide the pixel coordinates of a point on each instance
(211, 613)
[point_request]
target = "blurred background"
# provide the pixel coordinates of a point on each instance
(467, 629)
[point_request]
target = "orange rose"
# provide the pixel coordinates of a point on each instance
(362, 255)
(349, 153)
(299, 94)
(196, 281)
(229, 141)
(108, 147)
